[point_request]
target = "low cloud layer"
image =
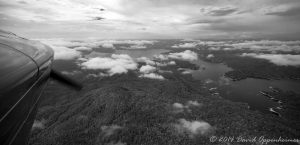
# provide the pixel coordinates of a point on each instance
(147, 69)
(255, 45)
(194, 128)
(185, 55)
(209, 56)
(83, 48)
(38, 124)
(185, 45)
(116, 64)
(64, 53)
(278, 59)
(178, 107)
(152, 76)
(146, 60)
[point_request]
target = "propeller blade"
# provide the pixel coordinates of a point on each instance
(65, 80)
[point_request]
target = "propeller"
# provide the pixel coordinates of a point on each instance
(65, 80)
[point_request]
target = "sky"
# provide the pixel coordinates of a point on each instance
(152, 19)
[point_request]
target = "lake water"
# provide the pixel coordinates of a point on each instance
(246, 90)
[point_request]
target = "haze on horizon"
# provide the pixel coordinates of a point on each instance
(152, 19)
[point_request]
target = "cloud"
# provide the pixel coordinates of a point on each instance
(178, 107)
(278, 59)
(116, 64)
(194, 128)
(83, 48)
(214, 48)
(93, 43)
(209, 56)
(146, 60)
(158, 19)
(185, 45)
(290, 11)
(135, 47)
(219, 11)
(110, 130)
(269, 45)
(187, 55)
(147, 69)
(108, 45)
(193, 103)
(61, 50)
(64, 53)
(152, 76)
(161, 57)
(136, 44)
(38, 124)
(171, 63)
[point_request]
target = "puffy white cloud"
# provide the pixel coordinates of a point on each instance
(152, 76)
(214, 48)
(228, 48)
(187, 55)
(209, 56)
(171, 63)
(147, 69)
(146, 60)
(83, 48)
(108, 45)
(194, 127)
(185, 45)
(38, 124)
(155, 63)
(278, 59)
(208, 81)
(116, 64)
(60, 48)
(161, 57)
(64, 53)
(178, 107)
(193, 103)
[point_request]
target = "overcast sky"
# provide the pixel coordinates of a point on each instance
(148, 19)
